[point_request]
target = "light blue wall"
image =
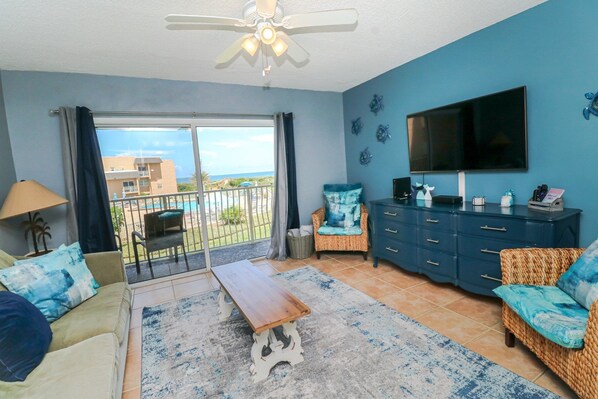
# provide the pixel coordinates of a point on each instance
(11, 237)
(552, 50)
(36, 141)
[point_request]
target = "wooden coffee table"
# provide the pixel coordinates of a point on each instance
(265, 306)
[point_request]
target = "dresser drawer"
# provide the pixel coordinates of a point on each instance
(396, 231)
(437, 262)
(486, 248)
(478, 275)
(500, 228)
(437, 220)
(391, 213)
(400, 253)
(437, 240)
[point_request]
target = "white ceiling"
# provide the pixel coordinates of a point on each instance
(129, 38)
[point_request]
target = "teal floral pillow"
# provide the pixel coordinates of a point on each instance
(581, 280)
(52, 291)
(343, 208)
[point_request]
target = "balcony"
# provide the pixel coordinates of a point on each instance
(130, 189)
(237, 220)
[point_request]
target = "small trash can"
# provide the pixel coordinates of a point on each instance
(301, 242)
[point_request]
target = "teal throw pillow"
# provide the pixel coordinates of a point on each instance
(70, 258)
(343, 208)
(52, 291)
(581, 279)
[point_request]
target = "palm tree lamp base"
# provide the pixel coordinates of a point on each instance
(37, 227)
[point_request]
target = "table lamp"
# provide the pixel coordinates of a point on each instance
(29, 196)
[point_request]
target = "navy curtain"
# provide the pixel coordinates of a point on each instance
(289, 137)
(96, 233)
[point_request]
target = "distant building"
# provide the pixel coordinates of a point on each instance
(132, 176)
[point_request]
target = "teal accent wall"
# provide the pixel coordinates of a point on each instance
(35, 134)
(11, 237)
(552, 50)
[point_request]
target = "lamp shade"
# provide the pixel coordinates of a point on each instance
(29, 196)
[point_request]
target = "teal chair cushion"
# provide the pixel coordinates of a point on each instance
(581, 279)
(339, 231)
(169, 215)
(549, 311)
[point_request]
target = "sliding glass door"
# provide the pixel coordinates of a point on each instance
(237, 174)
(216, 176)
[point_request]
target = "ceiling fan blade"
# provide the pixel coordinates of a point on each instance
(295, 51)
(232, 50)
(320, 18)
(266, 8)
(205, 19)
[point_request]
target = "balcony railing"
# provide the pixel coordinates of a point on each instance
(130, 189)
(233, 216)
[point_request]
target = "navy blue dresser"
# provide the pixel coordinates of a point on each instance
(460, 244)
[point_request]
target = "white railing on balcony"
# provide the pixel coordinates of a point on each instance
(130, 189)
(233, 216)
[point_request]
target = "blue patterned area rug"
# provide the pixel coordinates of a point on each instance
(355, 347)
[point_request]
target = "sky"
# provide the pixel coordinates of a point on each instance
(223, 151)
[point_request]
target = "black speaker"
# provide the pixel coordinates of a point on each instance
(401, 188)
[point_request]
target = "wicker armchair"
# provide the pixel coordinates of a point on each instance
(539, 266)
(341, 243)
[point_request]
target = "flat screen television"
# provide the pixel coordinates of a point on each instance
(485, 133)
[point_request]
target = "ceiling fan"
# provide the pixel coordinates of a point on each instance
(267, 24)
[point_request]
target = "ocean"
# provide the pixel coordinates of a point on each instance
(229, 176)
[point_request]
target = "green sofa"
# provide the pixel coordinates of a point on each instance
(88, 352)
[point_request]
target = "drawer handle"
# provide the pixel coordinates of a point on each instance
(433, 241)
(429, 262)
(391, 231)
(501, 229)
(489, 251)
(396, 251)
(487, 277)
(432, 220)
(390, 213)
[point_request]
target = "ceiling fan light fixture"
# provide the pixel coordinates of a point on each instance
(279, 47)
(267, 34)
(250, 45)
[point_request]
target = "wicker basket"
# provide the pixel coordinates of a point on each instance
(300, 247)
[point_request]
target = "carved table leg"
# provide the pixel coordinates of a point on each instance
(292, 353)
(226, 307)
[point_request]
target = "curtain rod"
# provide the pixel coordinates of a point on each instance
(174, 114)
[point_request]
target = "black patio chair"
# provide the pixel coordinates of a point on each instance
(163, 230)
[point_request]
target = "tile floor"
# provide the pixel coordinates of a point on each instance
(473, 321)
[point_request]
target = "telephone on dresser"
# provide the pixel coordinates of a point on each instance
(547, 200)
(540, 192)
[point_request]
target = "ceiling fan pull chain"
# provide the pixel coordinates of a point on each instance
(266, 67)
